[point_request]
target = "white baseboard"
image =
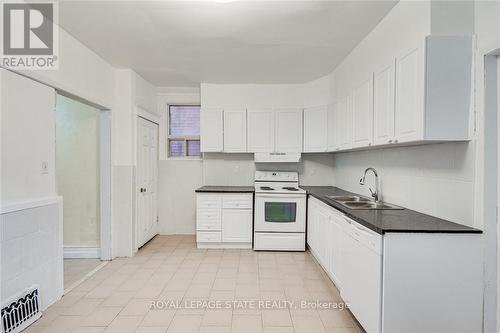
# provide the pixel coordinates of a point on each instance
(81, 252)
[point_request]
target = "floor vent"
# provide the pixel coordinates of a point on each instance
(20, 312)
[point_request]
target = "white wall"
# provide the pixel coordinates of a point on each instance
(252, 95)
(28, 135)
(81, 72)
(78, 171)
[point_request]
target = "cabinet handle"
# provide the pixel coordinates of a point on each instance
(389, 141)
(395, 140)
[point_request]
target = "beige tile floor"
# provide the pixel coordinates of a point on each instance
(171, 269)
(76, 269)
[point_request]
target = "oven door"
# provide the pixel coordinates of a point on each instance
(280, 212)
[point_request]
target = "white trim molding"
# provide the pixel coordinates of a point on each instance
(146, 114)
(22, 205)
(81, 252)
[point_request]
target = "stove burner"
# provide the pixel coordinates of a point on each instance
(289, 188)
(266, 188)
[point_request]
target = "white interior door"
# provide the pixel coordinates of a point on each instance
(147, 180)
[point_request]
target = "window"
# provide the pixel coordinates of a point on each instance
(183, 138)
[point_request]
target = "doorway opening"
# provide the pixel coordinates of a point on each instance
(82, 177)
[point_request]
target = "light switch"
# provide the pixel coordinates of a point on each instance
(45, 168)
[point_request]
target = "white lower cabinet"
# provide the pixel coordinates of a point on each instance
(399, 282)
(237, 225)
(224, 220)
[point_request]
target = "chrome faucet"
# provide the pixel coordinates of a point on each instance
(375, 194)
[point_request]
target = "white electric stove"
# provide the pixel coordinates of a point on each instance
(280, 211)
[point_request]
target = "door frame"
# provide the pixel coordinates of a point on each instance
(105, 176)
(106, 223)
(489, 171)
(141, 112)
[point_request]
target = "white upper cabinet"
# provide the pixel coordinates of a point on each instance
(288, 130)
(260, 126)
(433, 90)
(383, 104)
(362, 113)
(315, 129)
(235, 131)
(332, 134)
(343, 123)
(211, 130)
(409, 96)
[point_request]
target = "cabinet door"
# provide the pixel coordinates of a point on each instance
(260, 127)
(332, 134)
(235, 131)
(312, 213)
(335, 265)
(237, 225)
(315, 129)
(362, 112)
(348, 264)
(289, 130)
(211, 137)
(324, 236)
(410, 96)
(383, 104)
(343, 123)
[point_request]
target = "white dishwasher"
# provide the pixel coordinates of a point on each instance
(362, 274)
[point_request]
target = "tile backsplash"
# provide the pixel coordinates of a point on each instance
(436, 179)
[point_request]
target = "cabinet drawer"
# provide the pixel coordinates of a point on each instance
(208, 225)
(208, 214)
(241, 201)
(208, 236)
(210, 201)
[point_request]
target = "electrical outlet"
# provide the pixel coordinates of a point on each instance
(45, 168)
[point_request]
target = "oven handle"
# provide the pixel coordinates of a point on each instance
(279, 195)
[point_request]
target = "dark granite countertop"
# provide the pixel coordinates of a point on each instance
(226, 189)
(382, 221)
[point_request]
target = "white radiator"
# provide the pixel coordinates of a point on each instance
(18, 313)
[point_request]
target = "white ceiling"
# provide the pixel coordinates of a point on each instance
(183, 43)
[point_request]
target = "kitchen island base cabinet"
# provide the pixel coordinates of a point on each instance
(224, 220)
(400, 282)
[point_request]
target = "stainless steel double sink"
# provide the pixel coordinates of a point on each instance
(357, 202)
